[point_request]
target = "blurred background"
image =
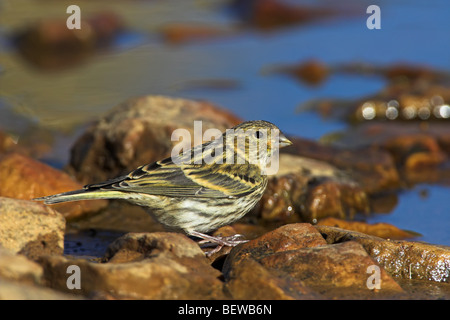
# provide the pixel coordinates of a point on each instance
(311, 67)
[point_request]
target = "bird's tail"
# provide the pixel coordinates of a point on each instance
(82, 194)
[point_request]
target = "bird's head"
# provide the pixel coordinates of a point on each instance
(254, 142)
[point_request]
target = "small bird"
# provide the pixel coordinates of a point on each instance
(200, 189)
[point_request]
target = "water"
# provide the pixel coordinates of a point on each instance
(140, 64)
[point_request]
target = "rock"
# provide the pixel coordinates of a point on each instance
(142, 266)
(286, 238)
(25, 178)
(372, 169)
(412, 94)
(10, 290)
(403, 259)
(18, 268)
(246, 278)
(138, 132)
(415, 152)
(246, 230)
(382, 230)
(49, 44)
(249, 280)
(299, 252)
(336, 271)
(30, 228)
(425, 290)
(419, 150)
(307, 190)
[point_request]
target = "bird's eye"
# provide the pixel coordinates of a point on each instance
(259, 134)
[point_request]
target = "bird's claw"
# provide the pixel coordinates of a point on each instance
(229, 241)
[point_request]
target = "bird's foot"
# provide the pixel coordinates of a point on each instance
(230, 241)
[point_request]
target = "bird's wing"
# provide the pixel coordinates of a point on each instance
(187, 180)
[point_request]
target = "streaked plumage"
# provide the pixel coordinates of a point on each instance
(199, 190)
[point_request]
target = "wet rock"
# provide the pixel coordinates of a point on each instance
(138, 132)
(25, 178)
(374, 170)
(425, 290)
(403, 259)
(249, 280)
(415, 152)
(332, 269)
(331, 198)
(412, 94)
(307, 190)
(288, 237)
(30, 228)
(299, 252)
(142, 266)
(420, 152)
(18, 268)
(382, 230)
(49, 44)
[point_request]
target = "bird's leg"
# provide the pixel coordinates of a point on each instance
(230, 241)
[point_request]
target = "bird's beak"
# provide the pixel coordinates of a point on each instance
(283, 141)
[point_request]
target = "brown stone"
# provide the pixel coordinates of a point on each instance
(373, 169)
(18, 268)
(297, 254)
(11, 290)
(415, 152)
(382, 230)
(25, 178)
(142, 266)
(329, 269)
(30, 228)
(249, 280)
(288, 237)
(403, 259)
(307, 190)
